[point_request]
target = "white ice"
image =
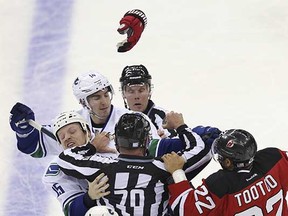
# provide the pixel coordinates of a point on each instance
(221, 63)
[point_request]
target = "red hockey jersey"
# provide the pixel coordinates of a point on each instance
(258, 192)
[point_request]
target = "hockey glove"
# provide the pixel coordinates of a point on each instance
(208, 134)
(20, 114)
(132, 24)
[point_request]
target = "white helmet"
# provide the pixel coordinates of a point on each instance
(87, 84)
(69, 117)
(101, 211)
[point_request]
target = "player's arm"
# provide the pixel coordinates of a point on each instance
(184, 199)
(190, 145)
(187, 139)
(163, 146)
(159, 147)
(29, 140)
(69, 191)
(174, 121)
(82, 162)
(81, 204)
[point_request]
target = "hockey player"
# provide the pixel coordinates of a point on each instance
(250, 182)
(137, 182)
(136, 90)
(71, 130)
(95, 93)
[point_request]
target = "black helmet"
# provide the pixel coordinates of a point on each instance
(236, 144)
(132, 131)
(135, 74)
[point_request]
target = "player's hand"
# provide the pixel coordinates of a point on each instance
(173, 162)
(20, 114)
(132, 24)
(161, 133)
(173, 120)
(208, 134)
(101, 141)
(97, 187)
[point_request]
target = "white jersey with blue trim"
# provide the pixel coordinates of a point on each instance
(65, 188)
(47, 146)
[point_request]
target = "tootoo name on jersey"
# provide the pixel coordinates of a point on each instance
(258, 189)
(245, 187)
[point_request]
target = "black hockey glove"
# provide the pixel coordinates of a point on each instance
(208, 134)
(20, 114)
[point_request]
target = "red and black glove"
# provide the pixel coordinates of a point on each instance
(132, 24)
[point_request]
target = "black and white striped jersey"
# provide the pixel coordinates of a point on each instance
(157, 115)
(137, 184)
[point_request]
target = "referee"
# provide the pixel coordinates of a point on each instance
(137, 182)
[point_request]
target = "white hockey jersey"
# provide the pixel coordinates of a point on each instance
(48, 146)
(65, 188)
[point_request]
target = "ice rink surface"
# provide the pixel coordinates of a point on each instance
(221, 63)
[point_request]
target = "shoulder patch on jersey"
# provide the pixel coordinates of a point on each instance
(52, 170)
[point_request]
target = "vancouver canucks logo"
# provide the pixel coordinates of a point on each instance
(76, 82)
(52, 170)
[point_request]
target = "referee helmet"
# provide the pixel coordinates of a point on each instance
(132, 131)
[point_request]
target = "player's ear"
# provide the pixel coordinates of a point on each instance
(227, 163)
(150, 94)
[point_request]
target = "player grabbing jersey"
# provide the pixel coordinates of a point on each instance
(250, 182)
(71, 130)
(95, 93)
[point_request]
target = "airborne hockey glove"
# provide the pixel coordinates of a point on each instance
(132, 24)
